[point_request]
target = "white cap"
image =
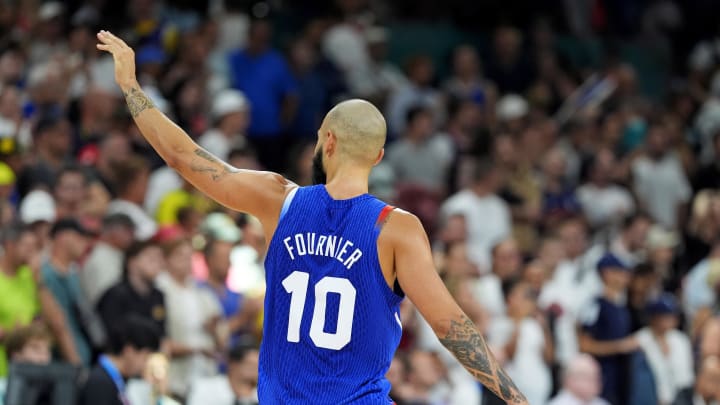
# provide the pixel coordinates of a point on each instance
(222, 227)
(50, 10)
(510, 107)
(38, 205)
(229, 101)
(659, 237)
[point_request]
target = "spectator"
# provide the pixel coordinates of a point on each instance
(522, 191)
(582, 383)
(661, 246)
(70, 191)
(37, 210)
(135, 293)
(381, 78)
(508, 68)
(192, 319)
(112, 150)
(230, 114)
(709, 339)
(660, 182)
(17, 283)
(173, 201)
(131, 342)
(467, 82)
(698, 294)
(59, 273)
(51, 146)
(525, 339)
(559, 200)
(103, 267)
(239, 311)
(708, 175)
(604, 203)
(606, 330)
(706, 389)
(263, 75)
(506, 264)
(319, 86)
(704, 226)
(29, 344)
(667, 350)
(420, 71)
(644, 288)
(487, 216)
(629, 245)
(239, 387)
(131, 186)
(422, 157)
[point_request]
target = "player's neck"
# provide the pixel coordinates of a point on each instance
(347, 183)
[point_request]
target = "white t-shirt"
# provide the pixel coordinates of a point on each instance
(145, 226)
(662, 186)
(602, 205)
(487, 291)
(189, 307)
(567, 398)
(672, 372)
(488, 222)
(527, 368)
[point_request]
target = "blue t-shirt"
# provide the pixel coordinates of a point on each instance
(266, 81)
(606, 321)
(331, 323)
(66, 290)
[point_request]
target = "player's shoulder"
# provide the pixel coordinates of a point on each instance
(402, 225)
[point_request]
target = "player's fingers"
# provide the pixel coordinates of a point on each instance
(106, 38)
(103, 47)
(115, 39)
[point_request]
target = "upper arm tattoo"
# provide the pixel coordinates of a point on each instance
(469, 347)
(137, 101)
(211, 165)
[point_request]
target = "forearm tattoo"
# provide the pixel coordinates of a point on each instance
(211, 165)
(468, 346)
(137, 101)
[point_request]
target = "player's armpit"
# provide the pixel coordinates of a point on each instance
(421, 283)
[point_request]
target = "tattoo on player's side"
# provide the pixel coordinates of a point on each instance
(137, 101)
(217, 170)
(466, 343)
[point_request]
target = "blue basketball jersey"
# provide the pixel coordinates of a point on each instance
(332, 323)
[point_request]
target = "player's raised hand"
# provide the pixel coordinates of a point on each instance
(123, 56)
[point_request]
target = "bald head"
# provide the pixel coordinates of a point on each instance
(582, 377)
(359, 128)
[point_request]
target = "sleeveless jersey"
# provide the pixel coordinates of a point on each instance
(332, 323)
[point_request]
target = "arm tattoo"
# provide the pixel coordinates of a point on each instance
(468, 346)
(137, 101)
(211, 165)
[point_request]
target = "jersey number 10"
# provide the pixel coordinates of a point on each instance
(297, 285)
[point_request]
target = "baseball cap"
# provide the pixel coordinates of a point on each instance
(511, 106)
(69, 224)
(609, 260)
(38, 205)
(221, 227)
(229, 101)
(659, 238)
(663, 305)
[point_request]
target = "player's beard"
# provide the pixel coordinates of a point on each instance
(319, 175)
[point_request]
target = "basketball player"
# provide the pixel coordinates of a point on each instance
(338, 264)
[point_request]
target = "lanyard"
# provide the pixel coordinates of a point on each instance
(117, 379)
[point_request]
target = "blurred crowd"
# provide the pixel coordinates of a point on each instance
(574, 217)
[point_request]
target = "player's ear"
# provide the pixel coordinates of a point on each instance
(379, 157)
(331, 143)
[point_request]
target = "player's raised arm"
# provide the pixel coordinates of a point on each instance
(258, 193)
(422, 285)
